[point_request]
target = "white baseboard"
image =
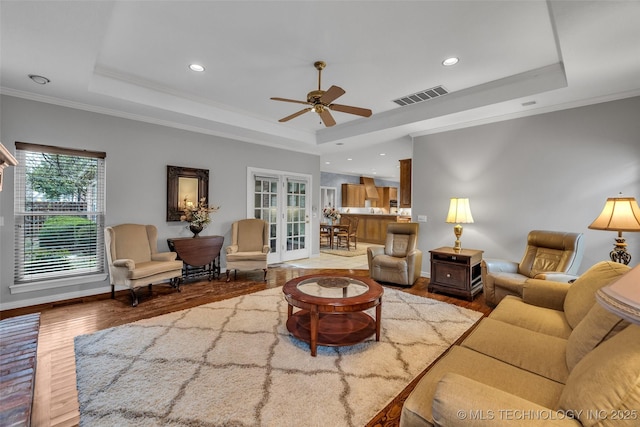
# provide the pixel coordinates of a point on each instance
(53, 298)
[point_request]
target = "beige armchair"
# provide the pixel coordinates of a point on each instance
(249, 246)
(134, 260)
(549, 255)
(399, 261)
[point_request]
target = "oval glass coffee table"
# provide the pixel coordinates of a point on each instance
(332, 309)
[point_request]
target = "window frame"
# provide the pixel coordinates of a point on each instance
(95, 211)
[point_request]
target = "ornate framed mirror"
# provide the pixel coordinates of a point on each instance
(185, 186)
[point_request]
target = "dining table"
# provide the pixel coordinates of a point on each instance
(333, 230)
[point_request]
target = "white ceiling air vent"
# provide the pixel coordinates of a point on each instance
(425, 95)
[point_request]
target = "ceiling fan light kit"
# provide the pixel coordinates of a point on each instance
(321, 102)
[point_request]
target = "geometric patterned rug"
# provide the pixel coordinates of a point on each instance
(233, 363)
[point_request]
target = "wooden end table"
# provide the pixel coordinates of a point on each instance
(200, 255)
(332, 309)
(457, 273)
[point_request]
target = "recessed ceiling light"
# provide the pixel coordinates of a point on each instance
(383, 154)
(349, 159)
(327, 163)
(339, 143)
(450, 61)
(196, 67)
(41, 80)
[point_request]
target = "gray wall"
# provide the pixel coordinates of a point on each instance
(137, 156)
(551, 171)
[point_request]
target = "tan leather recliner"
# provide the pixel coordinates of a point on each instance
(550, 255)
(249, 246)
(399, 261)
(134, 260)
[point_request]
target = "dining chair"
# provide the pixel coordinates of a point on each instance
(325, 235)
(348, 235)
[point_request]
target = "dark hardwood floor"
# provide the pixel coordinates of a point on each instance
(55, 396)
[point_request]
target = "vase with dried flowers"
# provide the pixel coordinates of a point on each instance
(332, 214)
(197, 216)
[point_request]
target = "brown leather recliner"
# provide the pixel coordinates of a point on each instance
(399, 261)
(550, 255)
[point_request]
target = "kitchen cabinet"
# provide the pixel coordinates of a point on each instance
(385, 194)
(405, 184)
(353, 195)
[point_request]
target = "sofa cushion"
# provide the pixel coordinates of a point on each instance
(545, 293)
(605, 384)
(540, 319)
(151, 268)
(460, 401)
(532, 351)
(417, 408)
(596, 327)
(581, 295)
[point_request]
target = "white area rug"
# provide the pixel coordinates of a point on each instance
(233, 363)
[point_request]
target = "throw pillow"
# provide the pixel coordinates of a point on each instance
(581, 295)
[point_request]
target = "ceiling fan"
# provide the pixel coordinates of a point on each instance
(321, 102)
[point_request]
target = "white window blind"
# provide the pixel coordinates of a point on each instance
(59, 208)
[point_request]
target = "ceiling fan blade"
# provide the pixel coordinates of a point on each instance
(364, 112)
(291, 100)
(332, 94)
(327, 118)
(294, 115)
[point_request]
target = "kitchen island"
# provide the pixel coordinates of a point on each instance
(372, 228)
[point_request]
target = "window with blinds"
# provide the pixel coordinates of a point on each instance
(59, 212)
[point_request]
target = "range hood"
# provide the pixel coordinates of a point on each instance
(370, 190)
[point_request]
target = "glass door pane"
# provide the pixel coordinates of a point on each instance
(266, 206)
(297, 219)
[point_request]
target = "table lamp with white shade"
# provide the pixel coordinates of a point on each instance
(459, 213)
(619, 214)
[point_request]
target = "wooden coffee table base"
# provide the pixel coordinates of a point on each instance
(333, 329)
(332, 309)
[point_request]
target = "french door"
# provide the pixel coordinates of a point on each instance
(283, 200)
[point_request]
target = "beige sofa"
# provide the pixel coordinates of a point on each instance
(552, 357)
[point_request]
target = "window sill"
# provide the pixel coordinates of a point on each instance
(57, 283)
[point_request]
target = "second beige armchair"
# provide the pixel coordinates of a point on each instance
(249, 246)
(399, 261)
